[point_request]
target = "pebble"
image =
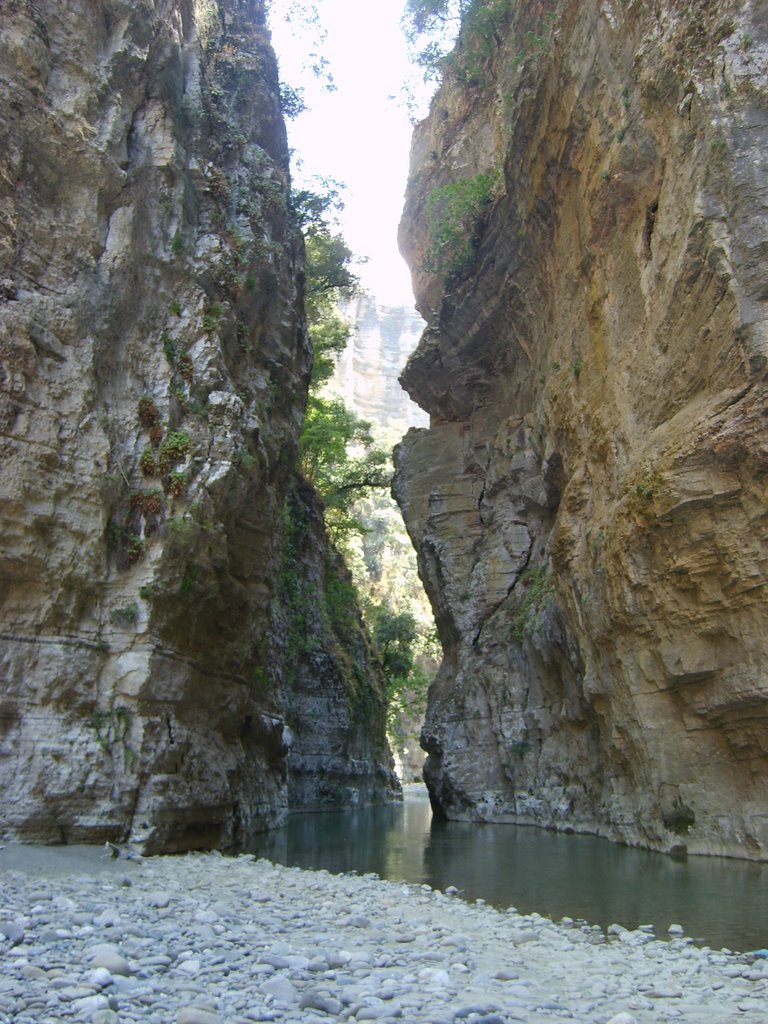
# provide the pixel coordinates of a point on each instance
(206, 939)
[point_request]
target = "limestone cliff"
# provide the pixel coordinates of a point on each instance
(367, 371)
(154, 372)
(589, 504)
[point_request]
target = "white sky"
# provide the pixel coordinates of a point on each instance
(359, 134)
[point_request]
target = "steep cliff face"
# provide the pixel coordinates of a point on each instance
(154, 373)
(589, 504)
(323, 663)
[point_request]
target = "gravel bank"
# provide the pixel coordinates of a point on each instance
(205, 939)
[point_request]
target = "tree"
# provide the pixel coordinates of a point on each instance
(338, 453)
(395, 634)
(432, 27)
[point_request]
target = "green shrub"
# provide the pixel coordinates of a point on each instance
(456, 215)
(129, 613)
(173, 450)
(535, 585)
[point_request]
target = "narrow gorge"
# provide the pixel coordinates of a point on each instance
(587, 229)
(183, 658)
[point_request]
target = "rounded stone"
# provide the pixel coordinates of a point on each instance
(111, 961)
(197, 1015)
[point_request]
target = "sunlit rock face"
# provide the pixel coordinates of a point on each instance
(154, 365)
(589, 505)
(367, 372)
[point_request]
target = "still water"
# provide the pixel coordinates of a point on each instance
(720, 901)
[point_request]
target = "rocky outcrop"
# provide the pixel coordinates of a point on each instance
(589, 503)
(154, 373)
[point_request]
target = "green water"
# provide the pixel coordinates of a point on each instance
(719, 901)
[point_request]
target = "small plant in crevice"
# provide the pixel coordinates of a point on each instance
(177, 245)
(172, 451)
(124, 544)
(148, 413)
(456, 215)
(199, 407)
(191, 574)
(519, 748)
(155, 435)
(178, 394)
(183, 531)
(243, 459)
(535, 586)
(175, 308)
(211, 318)
(112, 728)
(177, 483)
(185, 366)
(576, 366)
(146, 592)
(170, 348)
(129, 613)
(148, 506)
(148, 463)
(718, 147)
(135, 548)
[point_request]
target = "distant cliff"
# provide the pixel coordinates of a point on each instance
(367, 372)
(587, 228)
(154, 367)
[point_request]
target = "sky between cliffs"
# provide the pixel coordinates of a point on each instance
(360, 133)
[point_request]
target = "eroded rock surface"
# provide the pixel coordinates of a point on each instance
(589, 504)
(154, 365)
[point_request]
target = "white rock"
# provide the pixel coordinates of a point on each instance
(281, 990)
(100, 977)
(197, 1015)
(112, 962)
(90, 1004)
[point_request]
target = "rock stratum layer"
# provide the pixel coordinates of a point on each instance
(154, 371)
(589, 503)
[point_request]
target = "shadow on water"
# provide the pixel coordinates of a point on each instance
(720, 901)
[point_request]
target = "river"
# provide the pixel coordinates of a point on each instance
(719, 901)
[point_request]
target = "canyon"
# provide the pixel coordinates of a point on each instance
(183, 659)
(587, 230)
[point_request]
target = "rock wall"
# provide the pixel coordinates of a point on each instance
(589, 503)
(323, 663)
(154, 366)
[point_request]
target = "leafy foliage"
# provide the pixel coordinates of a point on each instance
(536, 587)
(433, 26)
(395, 634)
(402, 644)
(456, 219)
(338, 454)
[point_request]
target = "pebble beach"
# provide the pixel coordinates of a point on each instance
(208, 939)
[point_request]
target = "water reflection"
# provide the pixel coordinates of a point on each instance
(724, 902)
